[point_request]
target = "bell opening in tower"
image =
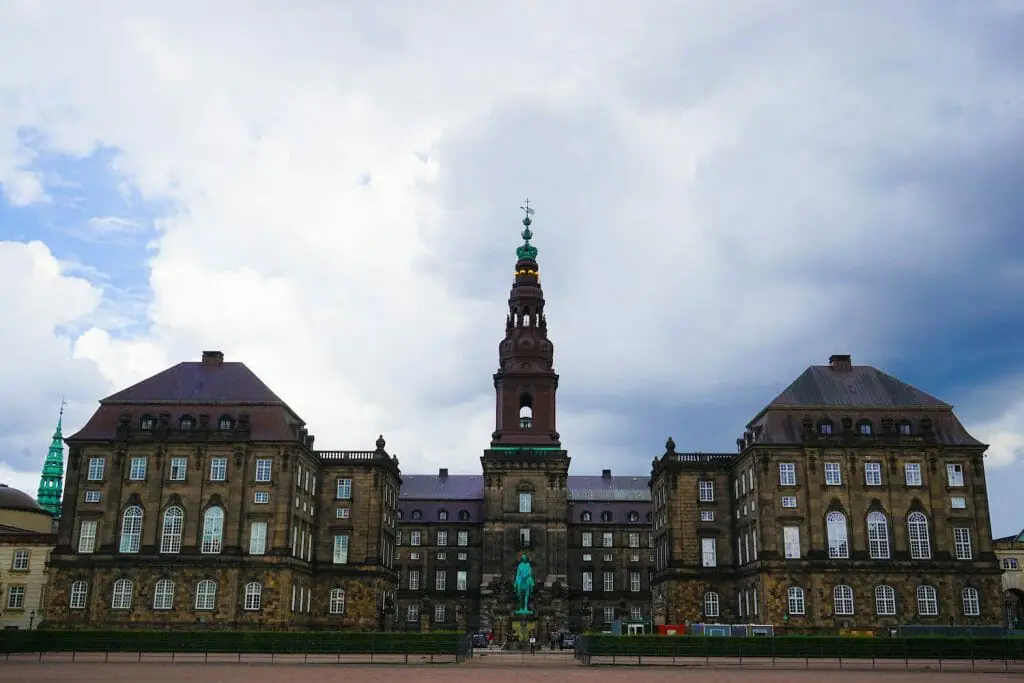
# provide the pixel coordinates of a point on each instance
(525, 411)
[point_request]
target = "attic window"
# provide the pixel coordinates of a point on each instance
(650, 517)
(585, 517)
(864, 428)
(442, 515)
(634, 516)
(416, 514)
(226, 423)
(186, 423)
(146, 423)
(905, 428)
(606, 516)
(825, 428)
(400, 514)
(464, 515)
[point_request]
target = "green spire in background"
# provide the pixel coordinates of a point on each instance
(527, 250)
(51, 484)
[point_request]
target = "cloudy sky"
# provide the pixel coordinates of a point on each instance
(329, 191)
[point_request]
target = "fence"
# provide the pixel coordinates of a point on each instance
(237, 646)
(965, 653)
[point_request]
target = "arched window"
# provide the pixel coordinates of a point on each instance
(163, 594)
(401, 514)
(185, 423)
(337, 605)
(838, 542)
(585, 517)
(206, 595)
(122, 595)
(711, 604)
(842, 600)
(213, 530)
(463, 515)
(253, 595)
(972, 603)
(170, 533)
(131, 529)
(146, 423)
(906, 429)
(920, 544)
(79, 594)
(225, 424)
(416, 514)
(796, 604)
(878, 536)
(606, 516)
(885, 601)
(927, 601)
(825, 428)
(634, 516)
(525, 411)
(442, 515)
(864, 428)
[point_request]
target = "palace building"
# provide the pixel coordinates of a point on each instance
(197, 497)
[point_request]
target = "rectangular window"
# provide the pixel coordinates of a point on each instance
(958, 502)
(787, 474)
(707, 515)
(609, 615)
(92, 496)
(341, 549)
(796, 601)
(873, 473)
(442, 538)
(607, 557)
(635, 614)
(412, 612)
(1009, 563)
(179, 466)
(87, 536)
(414, 579)
(344, 489)
(588, 539)
(525, 502)
(955, 474)
(461, 580)
(791, 541)
(415, 538)
(258, 538)
(96, 468)
(16, 597)
(463, 539)
(587, 557)
(342, 513)
(606, 539)
(79, 593)
(709, 557)
(264, 468)
(789, 501)
(962, 541)
(609, 581)
(463, 557)
(20, 562)
(634, 582)
(440, 580)
(137, 469)
(707, 491)
(588, 581)
(218, 469)
(912, 472)
(261, 497)
(833, 474)
(634, 539)
(439, 613)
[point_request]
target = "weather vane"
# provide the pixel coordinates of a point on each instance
(62, 404)
(526, 208)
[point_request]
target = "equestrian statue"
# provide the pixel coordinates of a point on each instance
(524, 585)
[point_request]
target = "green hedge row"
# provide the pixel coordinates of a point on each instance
(327, 642)
(804, 647)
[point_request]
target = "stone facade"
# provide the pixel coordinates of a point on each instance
(26, 540)
(1010, 551)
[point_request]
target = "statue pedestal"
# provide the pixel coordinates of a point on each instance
(523, 627)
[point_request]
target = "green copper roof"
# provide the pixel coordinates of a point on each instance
(51, 484)
(527, 251)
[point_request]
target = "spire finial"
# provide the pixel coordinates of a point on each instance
(527, 250)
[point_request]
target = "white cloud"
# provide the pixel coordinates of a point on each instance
(696, 174)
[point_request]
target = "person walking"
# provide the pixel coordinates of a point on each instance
(533, 644)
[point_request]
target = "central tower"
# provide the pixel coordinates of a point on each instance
(525, 468)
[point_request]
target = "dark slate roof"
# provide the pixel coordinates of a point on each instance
(859, 386)
(430, 509)
(14, 499)
(1016, 538)
(599, 488)
(435, 487)
(194, 383)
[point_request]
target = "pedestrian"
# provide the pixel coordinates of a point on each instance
(533, 644)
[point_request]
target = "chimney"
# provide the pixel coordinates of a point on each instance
(606, 474)
(840, 362)
(443, 473)
(213, 357)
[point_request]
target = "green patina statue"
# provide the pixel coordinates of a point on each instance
(524, 584)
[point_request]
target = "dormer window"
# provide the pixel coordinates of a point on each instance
(147, 422)
(225, 424)
(400, 514)
(905, 429)
(186, 423)
(650, 517)
(585, 517)
(416, 514)
(463, 515)
(606, 516)
(864, 428)
(442, 515)
(634, 516)
(825, 428)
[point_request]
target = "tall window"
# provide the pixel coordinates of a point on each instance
(709, 557)
(609, 582)
(912, 473)
(588, 581)
(795, 602)
(525, 501)
(955, 474)
(885, 601)
(791, 541)
(607, 539)
(440, 580)
(170, 533)
(163, 594)
(264, 468)
(463, 538)
(927, 601)
(838, 542)
(842, 600)
(972, 604)
(341, 549)
(962, 543)
(337, 603)
(253, 595)
(873, 473)
(442, 538)
(79, 594)
(96, 466)
(920, 544)
(634, 582)
(131, 529)
(878, 536)
(587, 539)
(87, 536)
(344, 489)
(206, 595)
(213, 530)
(137, 469)
(258, 538)
(179, 467)
(414, 579)
(707, 491)
(218, 469)
(122, 595)
(711, 604)
(833, 474)
(787, 474)
(462, 580)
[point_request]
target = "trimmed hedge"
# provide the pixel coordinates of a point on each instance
(324, 642)
(803, 647)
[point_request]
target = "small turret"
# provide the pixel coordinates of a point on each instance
(51, 484)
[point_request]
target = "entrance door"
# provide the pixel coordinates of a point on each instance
(636, 629)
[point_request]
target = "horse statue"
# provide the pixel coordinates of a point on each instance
(524, 584)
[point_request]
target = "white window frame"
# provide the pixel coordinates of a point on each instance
(131, 529)
(588, 582)
(343, 490)
(712, 604)
(163, 595)
(958, 502)
(927, 601)
(172, 529)
(463, 539)
(258, 538)
(837, 533)
(885, 600)
(607, 539)
(218, 468)
(833, 474)
(971, 600)
(336, 603)
(588, 539)
(878, 536)
(791, 542)
(795, 601)
(96, 469)
(842, 601)
(706, 491)
(634, 582)
(462, 580)
(608, 581)
(122, 594)
(206, 595)
(919, 536)
(178, 469)
(872, 474)
(264, 470)
(525, 502)
(708, 552)
(955, 475)
(787, 474)
(341, 546)
(962, 543)
(137, 469)
(87, 536)
(707, 515)
(79, 596)
(912, 474)
(213, 531)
